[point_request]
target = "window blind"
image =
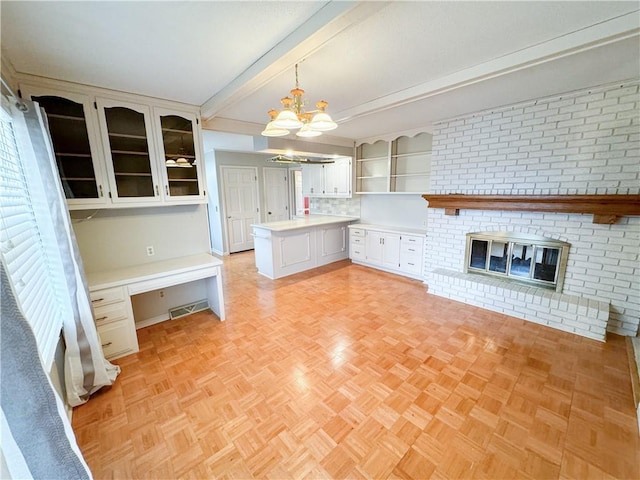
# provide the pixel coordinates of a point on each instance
(23, 247)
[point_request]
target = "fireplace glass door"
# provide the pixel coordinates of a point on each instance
(521, 256)
(531, 259)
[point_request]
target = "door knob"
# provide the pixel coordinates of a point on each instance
(269, 213)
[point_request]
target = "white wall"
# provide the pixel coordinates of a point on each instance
(117, 238)
(214, 205)
(402, 210)
(580, 143)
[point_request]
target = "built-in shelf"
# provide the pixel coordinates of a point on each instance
(127, 135)
(606, 209)
(400, 166)
(132, 174)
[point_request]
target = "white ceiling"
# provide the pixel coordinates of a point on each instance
(384, 67)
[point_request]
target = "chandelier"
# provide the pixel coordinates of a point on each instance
(293, 116)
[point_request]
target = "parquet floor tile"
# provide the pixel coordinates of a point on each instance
(348, 372)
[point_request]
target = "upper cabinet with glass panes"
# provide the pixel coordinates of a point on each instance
(182, 165)
(121, 150)
(76, 145)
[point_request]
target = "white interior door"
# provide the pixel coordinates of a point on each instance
(276, 194)
(241, 205)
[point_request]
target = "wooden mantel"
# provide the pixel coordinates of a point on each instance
(606, 209)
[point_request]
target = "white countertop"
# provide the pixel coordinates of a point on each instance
(304, 222)
(147, 271)
(386, 228)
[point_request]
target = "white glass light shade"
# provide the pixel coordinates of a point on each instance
(322, 122)
(287, 119)
(306, 131)
(171, 163)
(272, 131)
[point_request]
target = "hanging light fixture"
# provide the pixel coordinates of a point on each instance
(293, 117)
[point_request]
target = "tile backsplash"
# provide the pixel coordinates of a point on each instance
(335, 206)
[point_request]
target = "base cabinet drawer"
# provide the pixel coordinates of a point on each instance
(411, 264)
(356, 251)
(118, 339)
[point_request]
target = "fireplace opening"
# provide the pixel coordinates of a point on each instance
(528, 259)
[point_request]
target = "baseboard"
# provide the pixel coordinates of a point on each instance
(152, 321)
(635, 378)
(218, 252)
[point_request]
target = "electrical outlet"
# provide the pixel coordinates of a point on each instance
(161, 293)
(424, 224)
(150, 251)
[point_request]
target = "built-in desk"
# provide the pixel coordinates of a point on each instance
(111, 293)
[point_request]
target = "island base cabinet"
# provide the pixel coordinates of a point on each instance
(282, 253)
(333, 244)
(295, 252)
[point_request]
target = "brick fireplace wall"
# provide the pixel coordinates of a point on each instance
(585, 142)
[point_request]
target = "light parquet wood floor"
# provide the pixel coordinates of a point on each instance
(348, 372)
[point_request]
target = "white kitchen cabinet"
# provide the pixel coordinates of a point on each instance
(180, 157)
(356, 243)
(73, 127)
(117, 150)
(337, 178)
(382, 248)
(129, 149)
(330, 180)
(114, 321)
(392, 249)
(313, 180)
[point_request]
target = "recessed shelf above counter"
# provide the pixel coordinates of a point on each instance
(400, 166)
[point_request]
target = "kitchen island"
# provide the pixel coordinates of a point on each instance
(292, 246)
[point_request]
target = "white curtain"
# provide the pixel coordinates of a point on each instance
(86, 369)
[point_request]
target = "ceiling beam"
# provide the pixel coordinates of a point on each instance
(325, 24)
(610, 31)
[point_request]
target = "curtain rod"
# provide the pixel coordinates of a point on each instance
(20, 105)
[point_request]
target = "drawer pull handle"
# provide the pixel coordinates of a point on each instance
(412, 264)
(101, 318)
(412, 250)
(97, 300)
(106, 344)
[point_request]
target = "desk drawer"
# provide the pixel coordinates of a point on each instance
(118, 339)
(110, 313)
(107, 296)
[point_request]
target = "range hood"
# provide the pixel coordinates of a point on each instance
(288, 150)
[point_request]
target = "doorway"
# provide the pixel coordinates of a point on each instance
(276, 194)
(240, 194)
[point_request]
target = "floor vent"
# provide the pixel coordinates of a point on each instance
(188, 309)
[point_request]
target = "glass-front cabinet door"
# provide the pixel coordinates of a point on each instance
(130, 156)
(182, 174)
(73, 130)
